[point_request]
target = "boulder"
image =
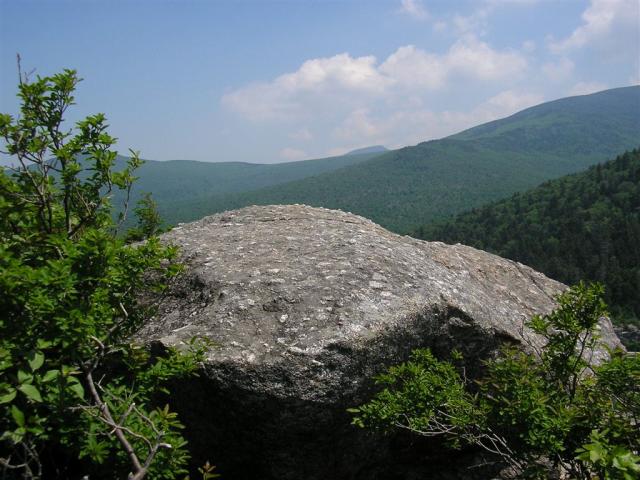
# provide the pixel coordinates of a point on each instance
(305, 305)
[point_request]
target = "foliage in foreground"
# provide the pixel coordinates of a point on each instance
(534, 414)
(72, 386)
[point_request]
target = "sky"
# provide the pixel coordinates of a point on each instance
(272, 81)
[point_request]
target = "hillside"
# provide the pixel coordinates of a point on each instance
(371, 149)
(581, 226)
(562, 126)
(405, 188)
(186, 180)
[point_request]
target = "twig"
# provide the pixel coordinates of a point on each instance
(139, 471)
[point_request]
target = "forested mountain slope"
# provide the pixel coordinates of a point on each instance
(567, 126)
(405, 188)
(584, 226)
(187, 180)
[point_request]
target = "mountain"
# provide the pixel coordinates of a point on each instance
(176, 181)
(566, 126)
(584, 226)
(403, 189)
(371, 149)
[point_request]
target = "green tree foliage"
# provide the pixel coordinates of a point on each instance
(72, 385)
(583, 226)
(149, 222)
(533, 413)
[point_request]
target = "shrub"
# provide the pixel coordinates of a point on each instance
(534, 413)
(72, 385)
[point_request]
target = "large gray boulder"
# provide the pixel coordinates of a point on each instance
(305, 305)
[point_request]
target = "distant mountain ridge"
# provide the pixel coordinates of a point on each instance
(402, 189)
(371, 149)
(179, 181)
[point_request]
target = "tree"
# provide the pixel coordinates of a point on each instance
(73, 385)
(149, 222)
(534, 413)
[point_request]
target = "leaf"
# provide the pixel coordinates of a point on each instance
(17, 415)
(42, 343)
(35, 360)
(50, 375)
(75, 387)
(24, 377)
(7, 397)
(31, 392)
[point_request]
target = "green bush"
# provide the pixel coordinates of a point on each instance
(72, 385)
(534, 413)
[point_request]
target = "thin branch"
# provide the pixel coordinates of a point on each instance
(6, 463)
(43, 201)
(120, 436)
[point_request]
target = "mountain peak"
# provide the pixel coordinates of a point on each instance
(371, 149)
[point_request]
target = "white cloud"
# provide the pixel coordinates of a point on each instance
(349, 102)
(603, 19)
(291, 154)
(478, 59)
(585, 88)
(558, 71)
(345, 82)
(509, 102)
(475, 23)
(281, 98)
(359, 124)
(529, 46)
(340, 71)
(261, 101)
(498, 106)
(408, 127)
(411, 66)
(468, 57)
(414, 8)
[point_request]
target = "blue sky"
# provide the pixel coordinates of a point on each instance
(272, 81)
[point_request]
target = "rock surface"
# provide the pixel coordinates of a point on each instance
(306, 304)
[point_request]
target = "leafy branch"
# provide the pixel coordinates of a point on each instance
(72, 295)
(534, 414)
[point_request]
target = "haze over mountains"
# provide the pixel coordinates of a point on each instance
(405, 188)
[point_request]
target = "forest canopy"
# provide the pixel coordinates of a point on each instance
(584, 226)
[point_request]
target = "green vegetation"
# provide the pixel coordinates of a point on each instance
(533, 413)
(149, 221)
(179, 181)
(582, 226)
(406, 188)
(76, 396)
